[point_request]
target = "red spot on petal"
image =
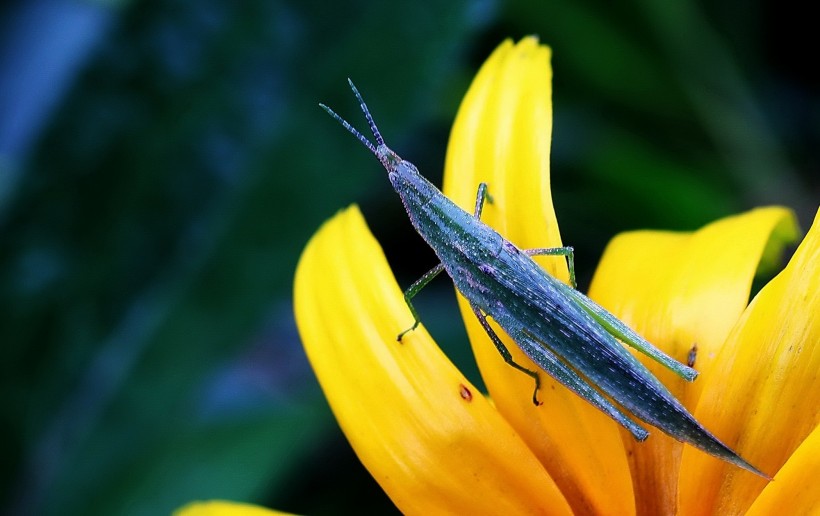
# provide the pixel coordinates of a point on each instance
(465, 392)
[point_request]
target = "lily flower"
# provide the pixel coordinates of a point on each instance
(436, 444)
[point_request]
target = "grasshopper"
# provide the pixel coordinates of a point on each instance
(569, 336)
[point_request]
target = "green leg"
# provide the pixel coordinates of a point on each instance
(505, 353)
(481, 195)
(558, 251)
(414, 289)
(567, 251)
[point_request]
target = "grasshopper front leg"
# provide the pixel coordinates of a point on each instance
(481, 195)
(414, 289)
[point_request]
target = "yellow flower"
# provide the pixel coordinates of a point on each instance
(225, 508)
(437, 445)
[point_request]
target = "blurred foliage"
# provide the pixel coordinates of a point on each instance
(149, 233)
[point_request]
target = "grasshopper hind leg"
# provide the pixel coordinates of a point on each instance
(505, 353)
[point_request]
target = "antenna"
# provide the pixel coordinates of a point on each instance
(370, 122)
(350, 128)
(353, 131)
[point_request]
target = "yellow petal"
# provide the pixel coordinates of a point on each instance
(501, 136)
(681, 290)
(422, 430)
(763, 394)
(223, 508)
(794, 489)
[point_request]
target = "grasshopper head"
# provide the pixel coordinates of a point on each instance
(390, 160)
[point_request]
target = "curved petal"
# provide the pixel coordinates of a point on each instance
(683, 292)
(223, 508)
(763, 396)
(794, 489)
(421, 429)
(501, 136)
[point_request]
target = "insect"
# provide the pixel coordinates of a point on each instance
(565, 333)
(692, 355)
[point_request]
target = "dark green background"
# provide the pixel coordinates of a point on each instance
(152, 215)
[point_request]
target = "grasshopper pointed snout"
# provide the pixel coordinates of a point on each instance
(388, 158)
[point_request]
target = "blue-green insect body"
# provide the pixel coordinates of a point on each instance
(564, 332)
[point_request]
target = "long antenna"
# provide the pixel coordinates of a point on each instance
(353, 131)
(370, 122)
(350, 128)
